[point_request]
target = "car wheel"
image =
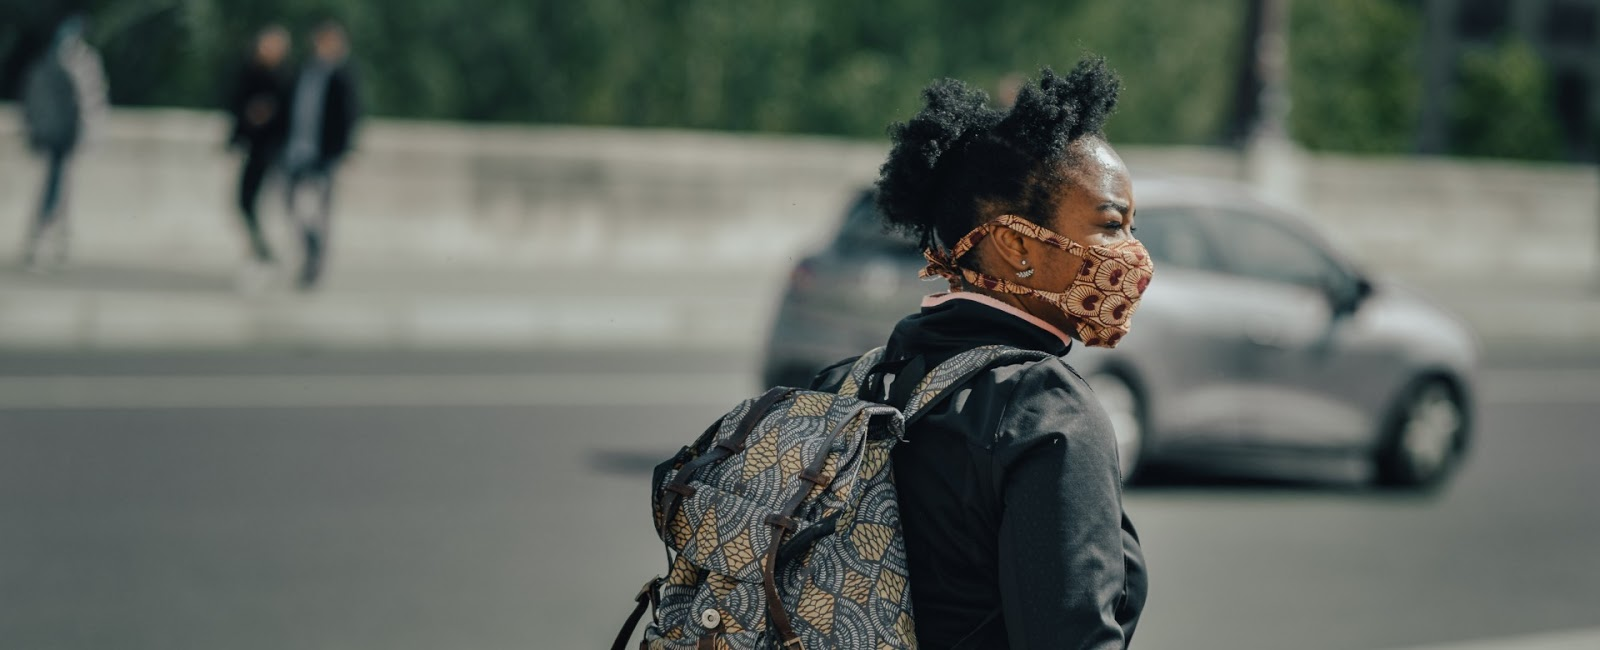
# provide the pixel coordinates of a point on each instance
(1426, 438)
(1121, 403)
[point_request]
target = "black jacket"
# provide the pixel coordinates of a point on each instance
(266, 87)
(50, 107)
(1010, 496)
(341, 109)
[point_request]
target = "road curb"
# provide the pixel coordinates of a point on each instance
(179, 321)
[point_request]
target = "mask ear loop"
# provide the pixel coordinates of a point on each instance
(947, 264)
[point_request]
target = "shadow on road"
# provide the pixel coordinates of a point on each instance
(629, 462)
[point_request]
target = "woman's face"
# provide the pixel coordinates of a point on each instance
(1096, 209)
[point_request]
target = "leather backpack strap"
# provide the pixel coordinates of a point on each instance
(906, 378)
(782, 523)
(647, 598)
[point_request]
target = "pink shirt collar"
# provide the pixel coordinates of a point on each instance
(941, 298)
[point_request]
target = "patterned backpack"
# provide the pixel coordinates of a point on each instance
(781, 522)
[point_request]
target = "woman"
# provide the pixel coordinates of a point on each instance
(1009, 492)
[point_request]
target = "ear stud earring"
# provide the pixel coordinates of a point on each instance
(1025, 273)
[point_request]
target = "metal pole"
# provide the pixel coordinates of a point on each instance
(1272, 67)
(1273, 162)
(1437, 65)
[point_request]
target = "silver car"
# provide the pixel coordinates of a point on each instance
(1256, 341)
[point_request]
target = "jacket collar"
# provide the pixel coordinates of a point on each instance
(954, 322)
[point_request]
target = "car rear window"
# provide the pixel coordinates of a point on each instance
(863, 229)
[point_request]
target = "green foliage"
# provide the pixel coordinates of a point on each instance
(822, 66)
(1177, 59)
(1355, 74)
(818, 66)
(1502, 106)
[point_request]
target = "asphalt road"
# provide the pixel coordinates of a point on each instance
(486, 501)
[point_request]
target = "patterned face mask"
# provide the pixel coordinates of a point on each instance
(1100, 300)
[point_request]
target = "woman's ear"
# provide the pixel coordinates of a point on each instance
(1008, 249)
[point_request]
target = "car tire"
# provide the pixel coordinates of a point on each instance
(1126, 410)
(1425, 438)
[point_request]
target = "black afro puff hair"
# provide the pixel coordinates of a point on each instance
(959, 155)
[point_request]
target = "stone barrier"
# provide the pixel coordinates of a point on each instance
(157, 187)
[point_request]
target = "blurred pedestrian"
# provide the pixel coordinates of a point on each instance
(259, 104)
(324, 107)
(1009, 494)
(63, 102)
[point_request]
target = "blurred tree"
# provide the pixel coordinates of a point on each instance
(1355, 79)
(1176, 59)
(817, 66)
(1502, 105)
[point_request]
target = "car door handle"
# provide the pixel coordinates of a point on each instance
(1265, 332)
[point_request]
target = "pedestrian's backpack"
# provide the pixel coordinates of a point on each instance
(781, 522)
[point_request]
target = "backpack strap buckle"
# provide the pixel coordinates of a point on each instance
(780, 520)
(648, 591)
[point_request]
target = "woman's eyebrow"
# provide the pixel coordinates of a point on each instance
(1119, 207)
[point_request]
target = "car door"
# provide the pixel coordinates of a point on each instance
(1301, 362)
(1186, 341)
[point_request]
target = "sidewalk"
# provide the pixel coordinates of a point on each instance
(110, 308)
(143, 307)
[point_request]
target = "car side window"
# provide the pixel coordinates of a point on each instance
(1258, 246)
(1174, 238)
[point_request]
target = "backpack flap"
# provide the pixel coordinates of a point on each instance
(782, 510)
(722, 532)
(730, 434)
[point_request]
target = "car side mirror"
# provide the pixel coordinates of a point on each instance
(1347, 292)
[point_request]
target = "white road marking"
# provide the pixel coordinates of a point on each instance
(311, 391)
(1571, 640)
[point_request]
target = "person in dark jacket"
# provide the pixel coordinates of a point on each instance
(1009, 491)
(63, 98)
(259, 104)
(323, 110)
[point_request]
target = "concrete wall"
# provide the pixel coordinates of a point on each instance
(157, 188)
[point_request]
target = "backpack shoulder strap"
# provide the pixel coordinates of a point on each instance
(940, 382)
